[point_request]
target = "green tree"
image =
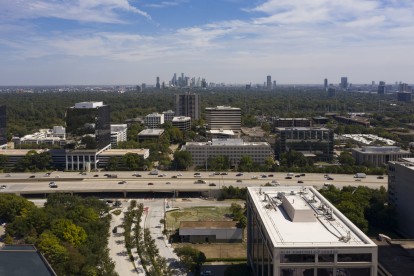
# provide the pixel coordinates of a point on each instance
(34, 161)
(191, 258)
(246, 163)
(68, 231)
(50, 246)
(3, 160)
(345, 158)
(182, 160)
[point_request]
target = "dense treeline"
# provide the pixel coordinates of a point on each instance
(70, 231)
(30, 111)
(367, 208)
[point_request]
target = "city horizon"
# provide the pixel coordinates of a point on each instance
(45, 42)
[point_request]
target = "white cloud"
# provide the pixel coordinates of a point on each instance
(101, 11)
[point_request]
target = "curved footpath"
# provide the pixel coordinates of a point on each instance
(117, 250)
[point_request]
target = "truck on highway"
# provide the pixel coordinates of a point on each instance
(360, 175)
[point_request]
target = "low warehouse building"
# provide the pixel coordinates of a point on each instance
(210, 231)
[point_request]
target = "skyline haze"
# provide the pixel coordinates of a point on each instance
(45, 42)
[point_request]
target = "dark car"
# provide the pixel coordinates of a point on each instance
(212, 184)
(302, 174)
(300, 182)
(239, 174)
(288, 177)
(223, 173)
(150, 183)
(298, 175)
(122, 182)
(96, 175)
(174, 176)
(329, 178)
(380, 177)
(270, 175)
(32, 176)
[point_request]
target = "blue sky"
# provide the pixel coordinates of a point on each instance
(68, 42)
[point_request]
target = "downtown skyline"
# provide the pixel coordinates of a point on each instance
(48, 42)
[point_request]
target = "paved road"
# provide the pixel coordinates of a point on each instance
(21, 183)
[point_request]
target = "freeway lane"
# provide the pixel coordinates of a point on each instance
(22, 183)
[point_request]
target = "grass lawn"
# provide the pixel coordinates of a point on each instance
(200, 213)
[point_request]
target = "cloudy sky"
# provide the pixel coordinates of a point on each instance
(63, 42)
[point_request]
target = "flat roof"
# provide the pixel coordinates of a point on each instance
(298, 216)
(116, 152)
(152, 131)
(23, 260)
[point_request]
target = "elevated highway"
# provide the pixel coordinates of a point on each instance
(37, 184)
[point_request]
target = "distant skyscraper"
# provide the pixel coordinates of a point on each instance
(331, 92)
(158, 85)
(274, 85)
(269, 83)
(344, 83)
(325, 84)
(403, 87)
(187, 105)
(143, 86)
(139, 89)
(3, 125)
(381, 88)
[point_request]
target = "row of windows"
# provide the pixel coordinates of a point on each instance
(310, 258)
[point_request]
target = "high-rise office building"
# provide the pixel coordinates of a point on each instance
(274, 85)
(3, 125)
(404, 96)
(344, 83)
(188, 105)
(401, 194)
(294, 230)
(89, 119)
(331, 92)
(325, 84)
(403, 87)
(381, 88)
(223, 117)
(269, 82)
(158, 85)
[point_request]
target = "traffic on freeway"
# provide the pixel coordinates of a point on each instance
(27, 183)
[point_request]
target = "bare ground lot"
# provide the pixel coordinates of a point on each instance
(220, 250)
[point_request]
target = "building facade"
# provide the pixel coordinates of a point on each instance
(154, 120)
(292, 122)
(168, 115)
(313, 142)
(89, 119)
(401, 194)
(404, 96)
(379, 156)
(187, 105)
(234, 149)
(294, 231)
(118, 134)
(223, 117)
(182, 123)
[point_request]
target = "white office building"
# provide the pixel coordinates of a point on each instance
(379, 156)
(182, 123)
(294, 231)
(55, 136)
(401, 194)
(223, 117)
(118, 134)
(154, 120)
(235, 149)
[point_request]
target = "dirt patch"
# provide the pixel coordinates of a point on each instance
(220, 250)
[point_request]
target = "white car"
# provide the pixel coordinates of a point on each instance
(3, 187)
(254, 177)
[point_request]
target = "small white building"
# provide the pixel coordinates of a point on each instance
(154, 120)
(55, 136)
(118, 133)
(294, 230)
(150, 134)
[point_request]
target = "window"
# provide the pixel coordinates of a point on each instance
(354, 258)
(325, 258)
(297, 258)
